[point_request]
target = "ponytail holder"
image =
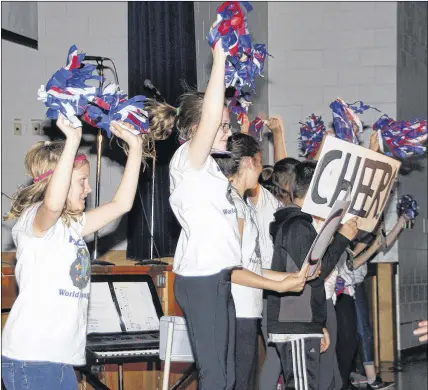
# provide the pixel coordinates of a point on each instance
(177, 111)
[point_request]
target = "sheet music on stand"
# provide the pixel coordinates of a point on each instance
(121, 307)
(102, 313)
(130, 297)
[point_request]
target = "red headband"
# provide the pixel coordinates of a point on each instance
(82, 157)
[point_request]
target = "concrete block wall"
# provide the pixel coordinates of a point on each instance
(205, 16)
(325, 50)
(96, 28)
(412, 101)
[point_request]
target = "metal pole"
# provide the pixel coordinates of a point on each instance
(97, 187)
(397, 365)
(100, 69)
(153, 206)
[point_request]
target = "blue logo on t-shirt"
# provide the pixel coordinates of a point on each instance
(80, 269)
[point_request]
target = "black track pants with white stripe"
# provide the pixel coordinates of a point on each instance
(300, 360)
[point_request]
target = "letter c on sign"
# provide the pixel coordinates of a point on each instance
(327, 159)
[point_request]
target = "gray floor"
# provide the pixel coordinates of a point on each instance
(414, 376)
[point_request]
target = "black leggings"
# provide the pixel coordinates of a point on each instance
(246, 353)
(209, 310)
(347, 341)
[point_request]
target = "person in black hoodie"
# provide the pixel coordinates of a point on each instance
(296, 322)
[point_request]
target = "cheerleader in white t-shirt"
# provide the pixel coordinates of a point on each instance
(266, 204)
(242, 167)
(45, 333)
(208, 248)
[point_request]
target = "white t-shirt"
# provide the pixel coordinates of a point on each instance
(266, 206)
(248, 300)
(286, 338)
(330, 285)
(48, 319)
(200, 199)
(351, 278)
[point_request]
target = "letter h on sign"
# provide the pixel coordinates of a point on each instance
(371, 176)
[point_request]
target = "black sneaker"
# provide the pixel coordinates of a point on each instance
(380, 384)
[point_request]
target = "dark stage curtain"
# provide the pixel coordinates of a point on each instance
(161, 47)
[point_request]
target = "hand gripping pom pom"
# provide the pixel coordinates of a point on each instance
(406, 205)
(346, 122)
(311, 135)
(231, 27)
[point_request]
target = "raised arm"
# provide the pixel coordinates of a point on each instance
(326, 134)
(212, 111)
(124, 197)
(396, 230)
(374, 142)
(245, 126)
(277, 128)
(57, 190)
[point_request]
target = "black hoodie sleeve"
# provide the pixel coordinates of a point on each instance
(279, 263)
(298, 240)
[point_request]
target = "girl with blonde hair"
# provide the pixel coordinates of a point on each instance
(45, 333)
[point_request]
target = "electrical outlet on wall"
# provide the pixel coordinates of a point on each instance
(36, 126)
(17, 127)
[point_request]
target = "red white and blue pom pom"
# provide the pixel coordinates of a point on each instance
(231, 27)
(67, 91)
(255, 129)
(404, 139)
(346, 122)
(257, 59)
(239, 105)
(406, 205)
(242, 72)
(113, 105)
(311, 134)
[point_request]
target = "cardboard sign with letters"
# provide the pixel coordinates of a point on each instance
(323, 239)
(342, 165)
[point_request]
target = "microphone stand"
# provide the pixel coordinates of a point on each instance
(152, 216)
(95, 261)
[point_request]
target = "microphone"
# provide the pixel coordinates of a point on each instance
(148, 84)
(96, 58)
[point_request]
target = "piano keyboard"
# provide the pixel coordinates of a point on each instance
(135, 352)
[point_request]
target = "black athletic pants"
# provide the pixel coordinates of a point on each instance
(347, 340)
(246, 353)
(209, 310)
(301, 359)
